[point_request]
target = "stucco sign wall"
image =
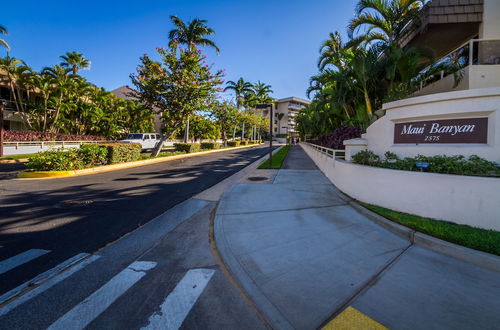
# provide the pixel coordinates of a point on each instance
(455, 123)
(463, 130)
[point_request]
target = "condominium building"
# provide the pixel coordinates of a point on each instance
(285, 111)
(463, 32)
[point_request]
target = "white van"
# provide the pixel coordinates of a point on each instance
(146, 140)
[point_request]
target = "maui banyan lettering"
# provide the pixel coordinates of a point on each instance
(463, 130)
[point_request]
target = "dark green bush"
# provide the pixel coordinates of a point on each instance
(233, 143)
(243, 143)
(93, 155)
(210, 145)
(122, 152)
(366, 157)
(457, 164)
(187, 147)
(56, 161)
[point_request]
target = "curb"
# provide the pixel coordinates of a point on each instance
(475, 257)
(121, 166)
(13, 161)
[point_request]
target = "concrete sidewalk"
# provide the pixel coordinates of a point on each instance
(306, 257)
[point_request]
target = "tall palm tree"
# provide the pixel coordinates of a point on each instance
(75, 61)
(15, 71)
(59, 77)
(191, 34)
(384, 20)
(4, 43)
(240, 88)
(262, 92)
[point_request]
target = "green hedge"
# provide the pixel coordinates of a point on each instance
(243, 143)
(84, 157)
(56, 161)
(210, 145)
(458, 164)
(187, 147)
(122, 152)
(233, 143)
(93, 155)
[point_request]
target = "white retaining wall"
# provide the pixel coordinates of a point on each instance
(473, 201)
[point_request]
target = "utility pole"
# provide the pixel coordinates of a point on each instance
(1, 127)
(270, 106)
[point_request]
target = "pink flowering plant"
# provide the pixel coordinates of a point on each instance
(176, 86)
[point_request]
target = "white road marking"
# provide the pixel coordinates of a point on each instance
(42, 277)
(46, 285)
(20, 259)
(179, 302)
(86, 311)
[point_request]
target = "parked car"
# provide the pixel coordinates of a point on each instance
(146, 140)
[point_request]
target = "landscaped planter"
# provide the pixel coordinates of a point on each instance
(460, 199)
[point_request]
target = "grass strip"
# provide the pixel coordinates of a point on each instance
(471, 237)
(278, 159)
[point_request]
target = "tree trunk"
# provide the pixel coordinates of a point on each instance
(186, 132)
(243, 132)
(157, 148)
(234, 132)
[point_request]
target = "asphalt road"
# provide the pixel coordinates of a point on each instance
(67, 216)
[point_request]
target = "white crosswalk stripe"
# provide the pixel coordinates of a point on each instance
(179, 302)
(86, 311)
(42, 277)
(20, 259)
(47, 285)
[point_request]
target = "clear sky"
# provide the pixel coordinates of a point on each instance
(275, 41)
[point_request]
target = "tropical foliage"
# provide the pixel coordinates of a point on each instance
(176, 86)
(4, 43)
(58, 100)
(357, 76)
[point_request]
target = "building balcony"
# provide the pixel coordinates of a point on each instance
(476, 64)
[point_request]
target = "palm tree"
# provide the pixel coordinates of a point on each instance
(262, 92)
(59, 77)
(279, 116)
(191, 34)
(384, 20)
(75, 61)
(240, 88)
(4, 43)
(15, 71)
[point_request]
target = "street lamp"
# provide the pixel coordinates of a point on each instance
(270, 106)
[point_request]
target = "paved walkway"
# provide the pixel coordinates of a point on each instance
(305, 256)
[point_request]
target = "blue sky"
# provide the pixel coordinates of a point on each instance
(275, 41)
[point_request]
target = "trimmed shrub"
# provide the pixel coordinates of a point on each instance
(187, 147)
(335, 140)
(56, 161)
(458, 164)
(93, 155)
(122, 152)
(243, 143)
(210, 145)
(233, 143)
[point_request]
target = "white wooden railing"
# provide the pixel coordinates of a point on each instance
(332, 153)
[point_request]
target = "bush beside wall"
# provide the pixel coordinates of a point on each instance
(457, 164)
(187, 147)
(233, 143)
